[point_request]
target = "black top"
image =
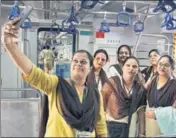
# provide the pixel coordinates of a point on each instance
(147, 72)
(165, 96)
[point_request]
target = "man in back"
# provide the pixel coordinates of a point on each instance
(48, 58)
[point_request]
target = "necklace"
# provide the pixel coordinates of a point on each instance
(128, 90)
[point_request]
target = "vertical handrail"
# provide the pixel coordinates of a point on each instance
(0, 8)
(26, 48)
(140, 34)
(0, 56)
(162, 36)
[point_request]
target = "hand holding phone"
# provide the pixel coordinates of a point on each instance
(24, 15)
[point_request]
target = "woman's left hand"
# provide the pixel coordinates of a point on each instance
(150, 114)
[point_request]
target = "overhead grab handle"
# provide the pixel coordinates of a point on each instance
(71, 20)
(123, 18)
(169, 22)
(26, 24)
(171, 25)
(104, 25)
(14, 11)
(72, 17)
(71, 28)
(57, 28)
(167, 6)
(139, 25)
(88, 4)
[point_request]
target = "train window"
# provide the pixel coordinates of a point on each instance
(61, 46)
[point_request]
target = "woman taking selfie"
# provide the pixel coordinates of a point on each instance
(74, 108)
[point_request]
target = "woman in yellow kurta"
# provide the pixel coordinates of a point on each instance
(61, 110)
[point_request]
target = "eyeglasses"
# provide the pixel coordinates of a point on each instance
(163, 65)
(82, 62)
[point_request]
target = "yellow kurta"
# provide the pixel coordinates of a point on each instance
(56, 125)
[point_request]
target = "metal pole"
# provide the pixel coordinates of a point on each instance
(154, 44)
(112, 13)
(157, 35)
(80, 12)
(140, 34)
(22, 7)
(0, 59)
(0, 8)
(22, 90)
(139, 2)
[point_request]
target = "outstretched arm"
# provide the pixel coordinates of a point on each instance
(9, 38)
(31, 74)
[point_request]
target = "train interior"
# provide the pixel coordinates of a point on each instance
(68, 26)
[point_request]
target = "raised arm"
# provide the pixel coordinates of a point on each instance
(9, 38)
(31, 74)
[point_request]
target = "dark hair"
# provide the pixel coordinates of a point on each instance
(138, 78)
(154, 50)
(102, 51)
(88, 55)
(47, 47)
(131, 57)
(171, 61)
(129, 49)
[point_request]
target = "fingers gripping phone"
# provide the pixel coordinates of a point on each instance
(24, 15)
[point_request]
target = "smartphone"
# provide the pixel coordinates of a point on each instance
(24, 14)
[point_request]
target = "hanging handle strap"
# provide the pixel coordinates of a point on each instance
(14, 11)
(57, 28)
(163, 4)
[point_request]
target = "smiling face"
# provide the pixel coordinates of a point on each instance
(99, 60)
(123, 54)
(130, 68)
(154, 57)
(80, 65)
(164, 67)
